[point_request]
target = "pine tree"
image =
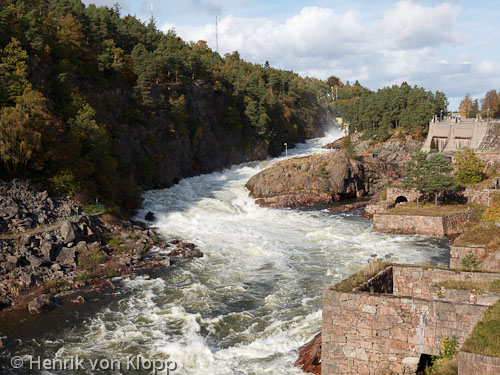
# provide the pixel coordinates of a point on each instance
(416, 169)
(437, 178)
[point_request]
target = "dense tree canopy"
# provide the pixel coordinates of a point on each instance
(406, 108)
(65, 67)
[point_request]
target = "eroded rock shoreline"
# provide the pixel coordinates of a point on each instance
(49, 247)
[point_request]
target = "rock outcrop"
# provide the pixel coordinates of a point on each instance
(394, 150)
(71, 251)
(310, 356)
(320, 179)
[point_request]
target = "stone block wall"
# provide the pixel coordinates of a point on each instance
(476, 364)
(427, 225)
(482, 196)
(457, 253)
(394, 192)
(364, 334)
(418, 282)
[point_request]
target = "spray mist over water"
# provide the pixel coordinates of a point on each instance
(255, 297)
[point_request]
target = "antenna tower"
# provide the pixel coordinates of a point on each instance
(216, 34)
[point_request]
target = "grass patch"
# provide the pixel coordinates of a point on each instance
(484, 234)
(485, 338)
(358, 278)
(478, 286)
(83, 276)
(91, 258)
(113, 241)
(425, 209)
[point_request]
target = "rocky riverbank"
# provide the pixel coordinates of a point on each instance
(47, 247)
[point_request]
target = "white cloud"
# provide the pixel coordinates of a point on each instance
(404, 44)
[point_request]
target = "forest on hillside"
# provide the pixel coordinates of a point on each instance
(403, 108)
(87, 92)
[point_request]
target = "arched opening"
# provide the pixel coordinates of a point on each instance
(400, 199)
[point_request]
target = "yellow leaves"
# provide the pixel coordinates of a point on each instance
(465, 106)
(69, 31)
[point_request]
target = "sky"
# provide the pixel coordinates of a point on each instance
(451, 46)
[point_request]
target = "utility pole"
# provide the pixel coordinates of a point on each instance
(216, 34)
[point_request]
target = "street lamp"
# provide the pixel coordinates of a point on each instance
(286, 149)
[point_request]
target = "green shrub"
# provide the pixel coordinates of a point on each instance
(469, 167)
(469, 261)
(323, 173)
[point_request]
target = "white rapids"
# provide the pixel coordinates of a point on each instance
(255, 297)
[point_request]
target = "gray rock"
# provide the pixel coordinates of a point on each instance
(35, 261)
(55, 267)
(41, 304)
(47, 249)
(67, 232)
(66, 256)
(43, 196)
(26, 279)
(8, 266)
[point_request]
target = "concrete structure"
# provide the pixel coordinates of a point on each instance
(455, 133)
(438, 226)
(400, 321)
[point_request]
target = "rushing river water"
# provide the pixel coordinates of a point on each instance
(247, 305)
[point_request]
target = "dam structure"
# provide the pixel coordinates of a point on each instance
(454, 133)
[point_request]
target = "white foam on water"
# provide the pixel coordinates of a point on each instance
(255, 297)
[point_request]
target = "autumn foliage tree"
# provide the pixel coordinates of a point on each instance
(465, 106)
(469, 167)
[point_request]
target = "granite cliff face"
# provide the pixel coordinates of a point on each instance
(159, 157)
(319, 179)
(394, 150)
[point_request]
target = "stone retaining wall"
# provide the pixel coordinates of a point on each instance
(394, 192)
(366, 333)
(458, 253)
(418, 282)
(476, 364)
(479, 196)
(439, 226)
(373, 209)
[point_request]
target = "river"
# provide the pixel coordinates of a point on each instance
(248, 304)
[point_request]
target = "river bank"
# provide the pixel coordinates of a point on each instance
(49, 247)
(248, 304)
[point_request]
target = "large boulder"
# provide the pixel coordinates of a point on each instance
(319, 179)
(66, 256)
(67, 232)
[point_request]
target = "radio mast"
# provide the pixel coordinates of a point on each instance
(216, 34)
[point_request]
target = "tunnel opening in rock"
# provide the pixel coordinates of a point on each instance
(400, 199)
(424, 363)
